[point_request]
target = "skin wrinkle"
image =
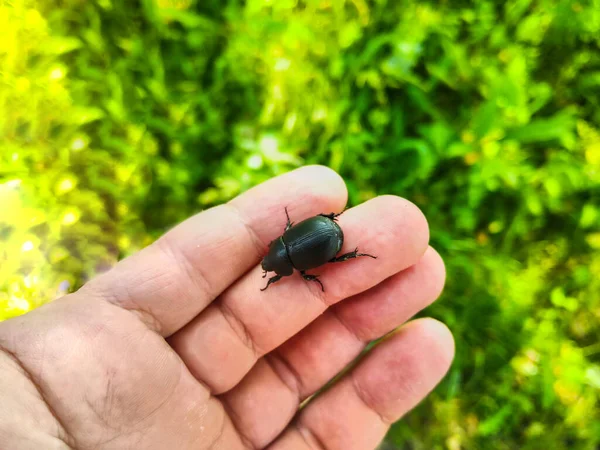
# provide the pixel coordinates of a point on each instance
(134, 426)
(259, 244)
(310, 437)
(67, 438)
(240, 329)
(110, 297)
(97, 414)
(193, 273)
(219, 435)
(42, 360)
(334, 313)
(117, 436)
(109, 394)
(362, 395)
(156, 409)
(157, 280)
(282, 379)
(246, 441)
(107, 405)
(275, 361)
(304, 391)
(167, 397)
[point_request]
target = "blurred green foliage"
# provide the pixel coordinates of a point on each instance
(119, 119)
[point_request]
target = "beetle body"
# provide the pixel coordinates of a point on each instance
(307, 245)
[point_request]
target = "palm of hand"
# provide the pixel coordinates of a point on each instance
(177, 347)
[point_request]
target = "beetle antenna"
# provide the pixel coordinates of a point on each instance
(288, 223)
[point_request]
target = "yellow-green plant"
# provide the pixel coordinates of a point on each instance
(118, 120)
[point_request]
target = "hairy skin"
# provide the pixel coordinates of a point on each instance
(177, 347)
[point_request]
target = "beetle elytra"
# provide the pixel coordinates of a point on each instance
(307, 245)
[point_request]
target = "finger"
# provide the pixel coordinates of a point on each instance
(356, 413)
(174, 279)
(221, 345)
(264, 402)
(320, 351)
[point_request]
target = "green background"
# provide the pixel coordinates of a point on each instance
(118, 119)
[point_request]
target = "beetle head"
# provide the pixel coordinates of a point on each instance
(277, 259)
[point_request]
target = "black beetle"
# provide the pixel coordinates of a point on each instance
(309, 244)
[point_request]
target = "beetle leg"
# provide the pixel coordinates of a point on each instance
(288, 224)
(264, 273)
(351, 255)
(272, 280)
(308, 277)
(332, 216)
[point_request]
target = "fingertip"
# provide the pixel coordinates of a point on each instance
(433, 264)
(420, 225)
(440, 339)
(304, 192)
(325, 181)
(401, 370)
(321, 172)
(410, 220)
(381, 309)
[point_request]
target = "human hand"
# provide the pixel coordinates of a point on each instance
(176, 347)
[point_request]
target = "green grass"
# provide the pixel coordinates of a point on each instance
(119, 119)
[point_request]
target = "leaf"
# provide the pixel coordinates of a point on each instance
(485, 119)
(349, 34)
(560, 127)
(437, 134)
(83, 115)
(59, 45)
(589, 216)
(494, 424)
(592, 376)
